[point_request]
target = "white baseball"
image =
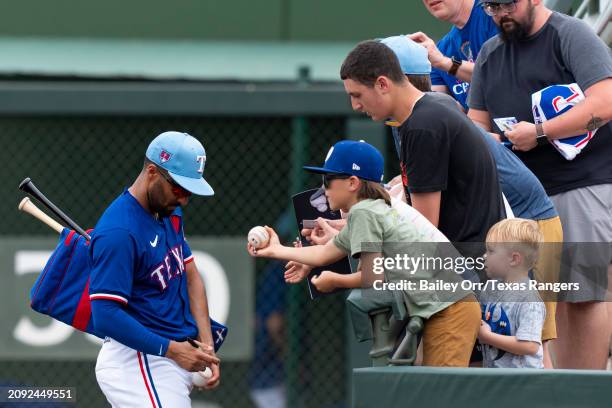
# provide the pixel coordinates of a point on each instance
(258, 237)
(200, 378)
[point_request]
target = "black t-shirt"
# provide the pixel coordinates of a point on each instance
(442, 150)
(564, 51)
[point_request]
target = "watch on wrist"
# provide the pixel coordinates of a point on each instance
(455, 66)
(541, 138)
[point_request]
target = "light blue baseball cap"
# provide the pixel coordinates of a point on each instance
(412, 56)
(184, 157)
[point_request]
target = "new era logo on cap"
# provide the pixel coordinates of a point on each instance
(343, 157)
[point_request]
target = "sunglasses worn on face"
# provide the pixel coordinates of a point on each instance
(494, 9)
(177, 190)
(327, 178)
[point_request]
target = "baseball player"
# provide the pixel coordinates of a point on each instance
(146, 295)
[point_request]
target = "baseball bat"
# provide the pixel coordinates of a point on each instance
(28, 186)
(26, 205)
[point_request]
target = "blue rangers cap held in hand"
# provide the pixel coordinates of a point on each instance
(184, 157)
(353, 158)
(412, 56)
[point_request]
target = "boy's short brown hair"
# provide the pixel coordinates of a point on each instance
(370, 60)
(520, 235)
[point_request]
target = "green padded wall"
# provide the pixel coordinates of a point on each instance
(433, 387)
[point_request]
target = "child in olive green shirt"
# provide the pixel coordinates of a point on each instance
(374, 233)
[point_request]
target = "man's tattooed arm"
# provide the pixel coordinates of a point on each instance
(594, 123)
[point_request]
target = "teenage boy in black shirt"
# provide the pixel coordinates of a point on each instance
(448, 170)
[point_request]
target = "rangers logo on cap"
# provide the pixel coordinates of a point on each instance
(164, 156)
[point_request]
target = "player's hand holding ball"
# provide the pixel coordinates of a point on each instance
(262, 241)
(189, 357)
(207, 379)
(200, 378)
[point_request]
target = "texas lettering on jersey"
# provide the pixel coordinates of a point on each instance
(140, 261)
(171, 267)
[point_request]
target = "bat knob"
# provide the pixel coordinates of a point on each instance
(24, 183)
(23, 203)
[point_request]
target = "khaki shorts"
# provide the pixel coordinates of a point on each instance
(547, 270)
(450, 334)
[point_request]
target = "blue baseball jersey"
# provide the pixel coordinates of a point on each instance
(139, 262)
(464, 44)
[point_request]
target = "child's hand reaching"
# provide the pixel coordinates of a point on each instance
(325, 281)
(323, 231)
(269, 250)
(295, 272)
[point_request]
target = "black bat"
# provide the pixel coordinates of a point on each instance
(28, 186)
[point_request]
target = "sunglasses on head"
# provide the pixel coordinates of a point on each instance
(177, 190)
(327, 178)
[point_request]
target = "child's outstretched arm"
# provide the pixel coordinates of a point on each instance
(508, 343)
(328, 281)
(318, 255)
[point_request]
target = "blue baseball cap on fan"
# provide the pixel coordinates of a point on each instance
(184, 157)
(412, 56)
(353, 158)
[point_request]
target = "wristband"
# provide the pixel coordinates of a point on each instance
(456, 64)
(541, 138)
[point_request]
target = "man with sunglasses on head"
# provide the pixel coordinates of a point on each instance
(146, 293)
(452, 58)
(538, 48)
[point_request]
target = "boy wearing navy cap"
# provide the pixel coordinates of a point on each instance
(352, 176)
